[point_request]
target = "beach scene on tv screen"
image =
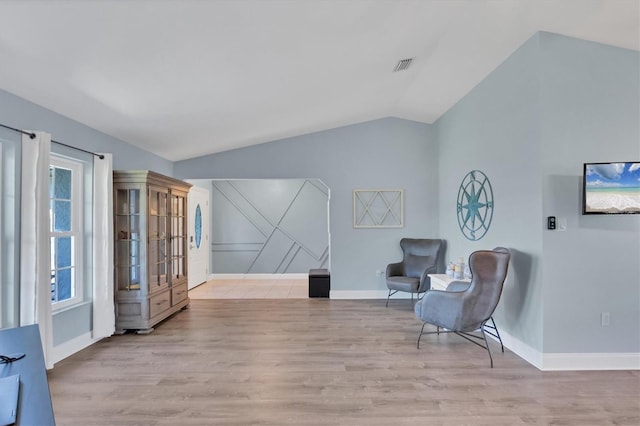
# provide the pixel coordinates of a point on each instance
(612, 188)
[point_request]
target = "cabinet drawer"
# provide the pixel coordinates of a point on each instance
(178, 294)
(159, 303)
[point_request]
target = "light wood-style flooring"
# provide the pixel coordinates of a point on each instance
(321, 362)
(252, 288)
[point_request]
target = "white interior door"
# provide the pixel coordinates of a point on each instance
(198, 235)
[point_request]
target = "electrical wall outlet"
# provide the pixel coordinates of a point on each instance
(605, 319)
(378, 273)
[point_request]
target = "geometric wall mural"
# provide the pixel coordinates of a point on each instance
(378, 208)
(269, 225)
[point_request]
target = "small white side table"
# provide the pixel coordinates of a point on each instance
(442, 281)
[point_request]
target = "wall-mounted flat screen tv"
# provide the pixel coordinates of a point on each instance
(611, 188)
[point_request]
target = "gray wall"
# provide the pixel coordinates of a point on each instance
(20, 113)
(554, 104)
(386, 153)
(269, 226)
(590, 112)
(495, 129)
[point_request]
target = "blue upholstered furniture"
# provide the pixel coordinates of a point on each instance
(469, 309)
(420, 258)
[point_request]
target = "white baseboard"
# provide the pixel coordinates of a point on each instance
(523, 350)
(258, 276)
(590, 361)
(367, 294)
(72, 346)
(570, 361)
(354, 294)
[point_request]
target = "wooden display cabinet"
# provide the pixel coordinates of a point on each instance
(150, 227)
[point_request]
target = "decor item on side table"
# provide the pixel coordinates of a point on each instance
(150, 226)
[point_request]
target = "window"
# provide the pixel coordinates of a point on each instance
(66, 219)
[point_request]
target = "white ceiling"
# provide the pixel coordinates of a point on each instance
(184, 78)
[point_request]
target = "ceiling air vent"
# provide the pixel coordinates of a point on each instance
(403, 64)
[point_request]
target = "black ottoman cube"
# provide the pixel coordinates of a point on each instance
(319, 283)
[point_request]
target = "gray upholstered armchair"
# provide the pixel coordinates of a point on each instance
(463, 312)
(420, 258)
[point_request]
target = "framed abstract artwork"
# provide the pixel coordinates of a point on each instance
(378, 208)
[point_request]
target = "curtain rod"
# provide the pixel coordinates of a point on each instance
(33, 135)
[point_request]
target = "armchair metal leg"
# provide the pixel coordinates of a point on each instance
(391, 293)
(465, 335)
(484, 338)
(486, 344)
(493, 331)
(420, 335)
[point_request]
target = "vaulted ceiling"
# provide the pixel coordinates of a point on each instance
(184, 78)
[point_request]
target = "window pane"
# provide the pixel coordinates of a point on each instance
(135, 257)
(51, 219)
(153, 202)
(62, 188)
(162, 204)
(135, 227)
(53, 254)
(62, 216)
(135, 276)
(180, 229)
(178, 267)
(153, 227)
(134, 201)
(63, 281)
(63, 252)
(122, 201)
(162, 227)
(53, 286)
(174, 205)
(122, 275)
(52, 173)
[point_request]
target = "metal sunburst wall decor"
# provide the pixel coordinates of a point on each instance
(475, 205)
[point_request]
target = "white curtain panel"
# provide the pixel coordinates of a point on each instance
(35, 267)
(103, 305)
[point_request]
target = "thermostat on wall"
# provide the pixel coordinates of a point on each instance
(551, 222)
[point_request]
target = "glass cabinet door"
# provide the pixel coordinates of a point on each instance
(178, 236)
(158, 239)
(127, 235)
